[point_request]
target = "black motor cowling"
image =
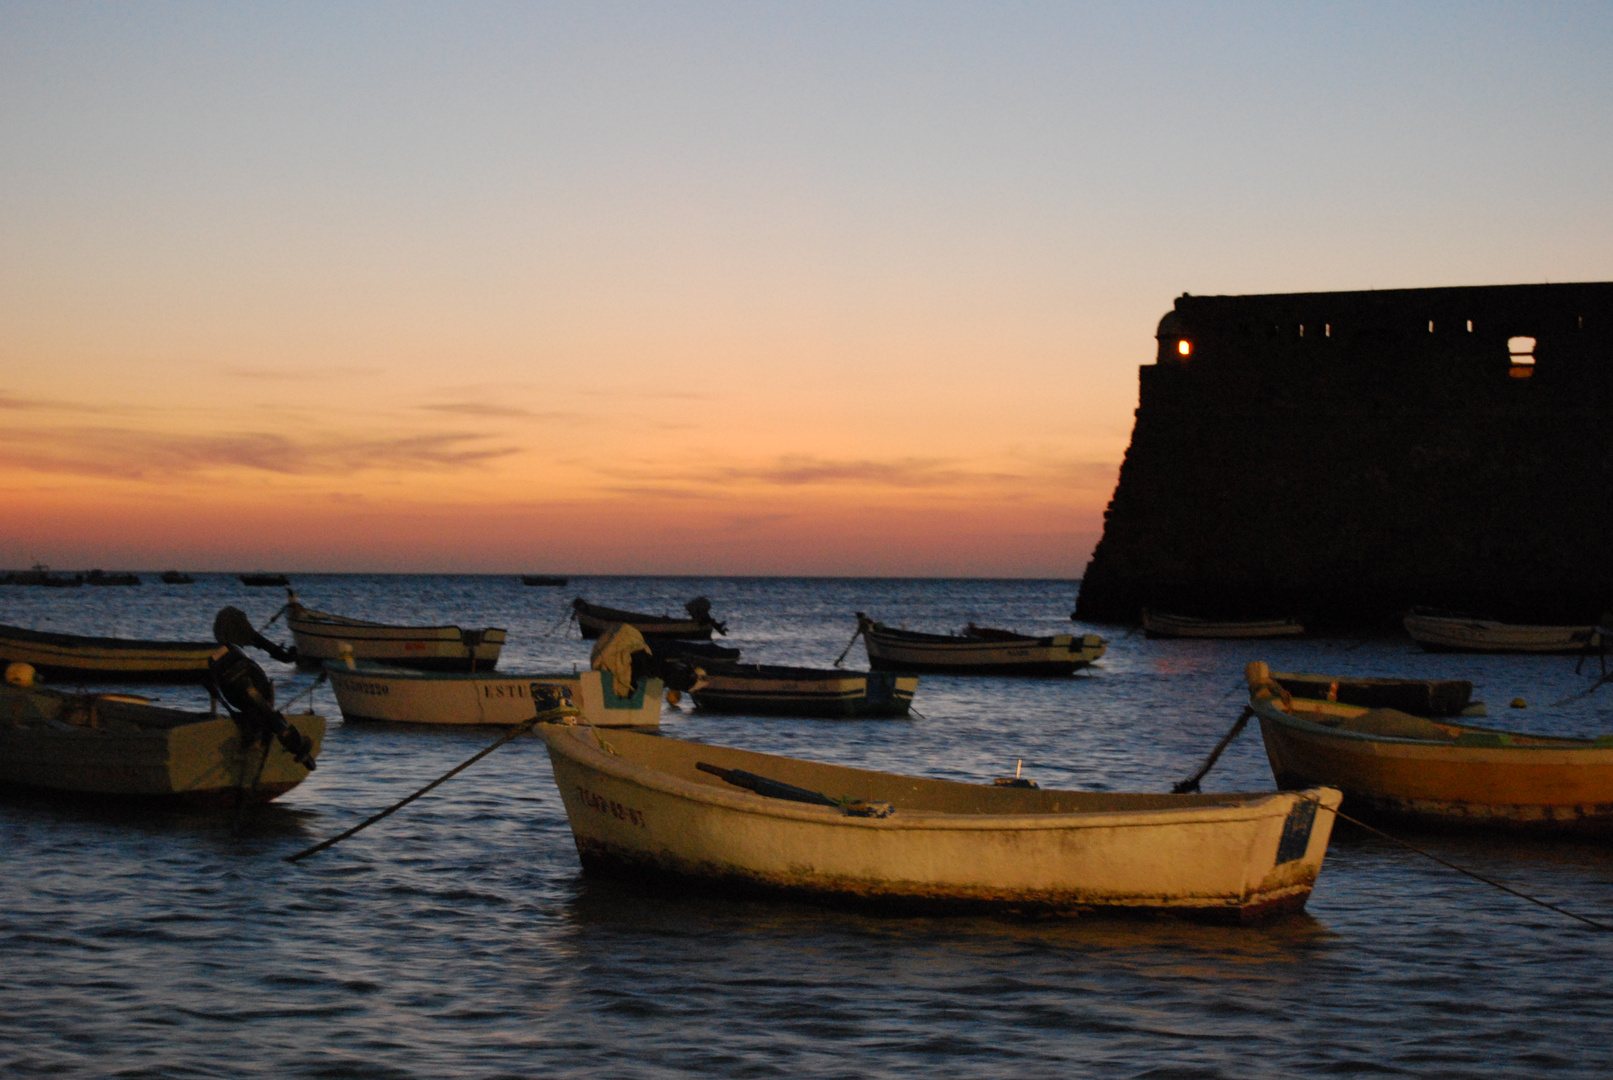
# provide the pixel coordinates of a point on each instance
(232, 627)
(250, 695)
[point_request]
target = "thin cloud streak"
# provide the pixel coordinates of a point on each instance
(116, 453)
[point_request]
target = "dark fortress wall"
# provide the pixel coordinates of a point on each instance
(1343, 456)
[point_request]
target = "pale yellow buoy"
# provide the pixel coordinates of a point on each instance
(673, 697)
(1519, 703)
(20, 674)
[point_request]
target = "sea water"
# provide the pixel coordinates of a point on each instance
(460, 938)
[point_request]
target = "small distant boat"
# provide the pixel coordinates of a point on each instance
(648, 808)
(593, 620)
(119, 746)
(174, 577)
(264, 580)
(772, 690)
(320, 636)
(1455, 633)
(101, 577)
(542, 579)
(979, 650)
(1157, 624)
(370, 691)
(72, 657)
(1434, 772)
(40, 575)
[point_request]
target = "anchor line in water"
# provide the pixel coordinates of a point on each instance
(1475, 875)
(1192, 782)
(520, 729)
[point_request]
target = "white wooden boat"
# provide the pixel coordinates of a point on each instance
(77, 658)
(320, 636)
(371, 691)
(1436, 772)
(1445, 633)
(595, 619)
(646, 807)
(774, 690)
(1157, 624)
(117, 746)
(978, 651)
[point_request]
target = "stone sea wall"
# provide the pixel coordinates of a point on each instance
(1341, 457)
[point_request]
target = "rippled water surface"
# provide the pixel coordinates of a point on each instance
(459, 938)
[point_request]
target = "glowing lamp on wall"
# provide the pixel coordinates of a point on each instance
(1184, 348)
(1521, 350)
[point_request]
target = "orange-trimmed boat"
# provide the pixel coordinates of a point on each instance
(1434, 772)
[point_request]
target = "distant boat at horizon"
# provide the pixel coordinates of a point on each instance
(261, 580)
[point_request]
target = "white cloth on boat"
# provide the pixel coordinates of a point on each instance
(613, 652)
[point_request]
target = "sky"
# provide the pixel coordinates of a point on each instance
(692, 288)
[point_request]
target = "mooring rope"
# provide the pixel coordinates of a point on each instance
(850, 643)
(1192, 782)
(1464, 870)
(520, 729)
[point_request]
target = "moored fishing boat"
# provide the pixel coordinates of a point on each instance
(773, 690)
(118, 746)
(1455, 633)
(542, 579)
(320, 636)
(979, 650)
(175, 577)
(646, 807)
(261, 580)
(1434, 772)
(371, 691)
(105, 659)
(594, 619)
(1158, 624)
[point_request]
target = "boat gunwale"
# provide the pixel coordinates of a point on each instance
(1267, 710)
(326, 618)
(919, 637)
(1251, 806)
(49, 637)
(374, 669)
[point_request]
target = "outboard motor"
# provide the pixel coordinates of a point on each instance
(699, 610)
(250, 695)
(232, 627)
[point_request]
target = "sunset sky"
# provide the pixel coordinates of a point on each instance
(701, 288)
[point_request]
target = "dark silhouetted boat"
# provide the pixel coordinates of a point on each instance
(174, 577)
(1157, 624)
(979, 650)
(773, 690)
(1458, 633)
(264, 580)
(593, 620)
(542, 579)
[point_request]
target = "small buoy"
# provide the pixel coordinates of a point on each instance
(19, 674)
(1519, 703)
(673, 697)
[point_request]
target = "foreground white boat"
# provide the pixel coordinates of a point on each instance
(320, 636)
(370, 691)
(1441, 633)
(643, 806)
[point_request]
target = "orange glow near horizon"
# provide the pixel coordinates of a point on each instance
(701, 289)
